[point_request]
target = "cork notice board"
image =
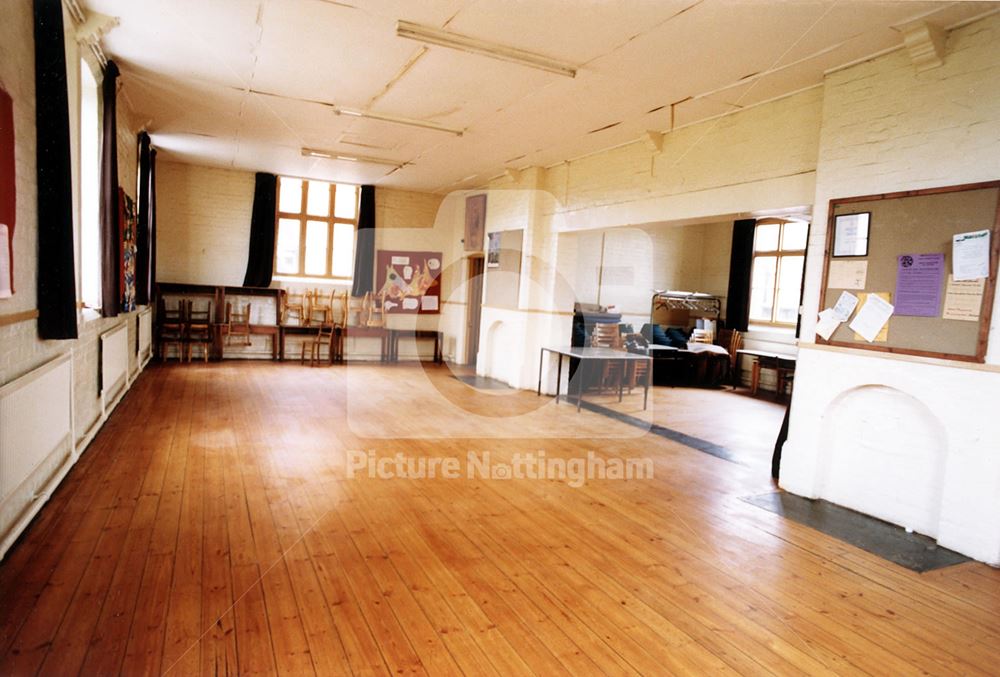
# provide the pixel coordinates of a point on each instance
(918, 222)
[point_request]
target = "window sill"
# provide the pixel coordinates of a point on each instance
(89, 315)
(772, 334)
(334, 281)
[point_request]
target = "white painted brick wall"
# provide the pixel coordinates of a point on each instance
(20, 348)
(203, 223)
(888, 128)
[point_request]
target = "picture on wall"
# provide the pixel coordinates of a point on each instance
(493, 251)
(475, 222)
(128, 222)
(409, 282)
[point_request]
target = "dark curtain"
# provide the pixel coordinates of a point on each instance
(260, 258)
(111, 239)
(142, 235)
(740, 263)
(149, 283)
(364, 251)
(56, 268)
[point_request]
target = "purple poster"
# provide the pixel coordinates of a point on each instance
(919, 278)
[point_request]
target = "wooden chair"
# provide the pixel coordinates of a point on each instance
(172, 328)
(199, 329)
(341, 307)
(638, 371)
(355, 312)
(732, 341)
(375, 315)
(319, 304)
(608, 335)
(323, 337)
(238, 324)
(294, 303)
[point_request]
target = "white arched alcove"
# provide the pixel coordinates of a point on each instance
(884, 453)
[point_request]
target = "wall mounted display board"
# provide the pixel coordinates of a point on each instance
(409, 282)
(908, 236)
(503, 282)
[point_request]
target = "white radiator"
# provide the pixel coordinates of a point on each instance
(114, 366)
(36, 442)
(145, 351)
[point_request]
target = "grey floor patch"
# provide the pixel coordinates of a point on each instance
(913, 551)
(483, 383)
(697, 443)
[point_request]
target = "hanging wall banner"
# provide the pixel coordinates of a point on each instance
(8, 194)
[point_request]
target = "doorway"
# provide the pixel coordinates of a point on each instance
(474, 309)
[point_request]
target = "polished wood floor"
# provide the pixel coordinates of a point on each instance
(211, 528)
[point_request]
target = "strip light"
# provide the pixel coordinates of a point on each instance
(465, 43)
(334, 155)
(422, 124)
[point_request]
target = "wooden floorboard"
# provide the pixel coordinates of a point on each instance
(212, 528)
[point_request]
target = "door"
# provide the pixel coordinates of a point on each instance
(474, 309)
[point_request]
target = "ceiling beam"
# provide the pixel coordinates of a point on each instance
(925, 43)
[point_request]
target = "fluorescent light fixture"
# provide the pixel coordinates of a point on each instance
(334, 155)
(422, 124)
(464, 43)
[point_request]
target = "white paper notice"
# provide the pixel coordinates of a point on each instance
(845, 305)
(428, 303)
(410, 303)
(872, 317)
(4, 262)
(400, 260)
(963, 300)
(847, 275)
(827, 323)
(970, 255)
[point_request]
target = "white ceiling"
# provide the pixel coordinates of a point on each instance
(249, 83)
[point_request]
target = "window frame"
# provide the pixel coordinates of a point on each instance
(88, 311)
(778, 254)
(303, 217)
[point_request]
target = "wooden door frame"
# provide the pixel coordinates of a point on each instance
(474, 306)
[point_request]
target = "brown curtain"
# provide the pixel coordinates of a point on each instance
(111, 238)
(364, 250)
(740, 264)
(56, 259)
(260, 256)
(149, 282)
(143, 247)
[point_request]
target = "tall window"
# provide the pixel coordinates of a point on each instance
(90, 189)
(779, 254)
(316, 224)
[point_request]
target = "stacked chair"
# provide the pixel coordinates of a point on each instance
(198, 329)
(238, 324)
(172, 329)
(294, 304)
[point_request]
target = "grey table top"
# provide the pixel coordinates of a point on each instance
(592, 353)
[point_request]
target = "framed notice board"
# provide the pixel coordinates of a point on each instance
(901, 228)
